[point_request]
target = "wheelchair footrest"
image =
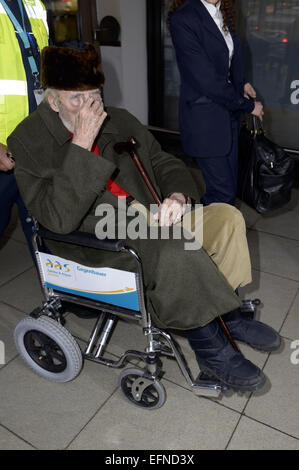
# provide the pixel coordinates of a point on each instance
(206, 386)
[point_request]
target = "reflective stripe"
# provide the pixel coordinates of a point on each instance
(30, 2)
(37, 12)
(13, 87)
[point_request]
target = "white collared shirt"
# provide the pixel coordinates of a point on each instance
(216, 14)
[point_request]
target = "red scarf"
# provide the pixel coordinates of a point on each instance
(113, 187)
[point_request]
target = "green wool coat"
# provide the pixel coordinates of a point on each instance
(62, 184)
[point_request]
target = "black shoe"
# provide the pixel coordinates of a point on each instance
(256, 334)
(216, 356)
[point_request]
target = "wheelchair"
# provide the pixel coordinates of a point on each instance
(52, 352)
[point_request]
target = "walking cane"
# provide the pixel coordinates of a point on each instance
(129, 147)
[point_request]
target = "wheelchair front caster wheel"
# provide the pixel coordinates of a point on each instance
(48, 348)
(140, 390)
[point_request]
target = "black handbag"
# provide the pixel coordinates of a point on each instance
(265, 176)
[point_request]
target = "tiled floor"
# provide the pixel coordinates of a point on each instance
(91, 412)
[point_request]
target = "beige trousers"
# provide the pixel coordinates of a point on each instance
(221, 230)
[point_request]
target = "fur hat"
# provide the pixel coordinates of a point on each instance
(72, 69)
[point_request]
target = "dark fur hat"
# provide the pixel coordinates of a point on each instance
(72, 69)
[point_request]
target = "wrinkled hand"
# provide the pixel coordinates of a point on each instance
(249, 91)
(89, 121)
(6, 164)
(171, 210)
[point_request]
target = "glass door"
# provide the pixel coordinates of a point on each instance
(63, 20)
(72, 19)
(270, 36)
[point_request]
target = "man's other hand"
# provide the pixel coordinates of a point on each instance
(171, 210)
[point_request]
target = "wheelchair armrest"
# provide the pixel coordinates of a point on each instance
(82, 239)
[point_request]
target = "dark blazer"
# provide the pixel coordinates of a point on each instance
(210, 91)
(62, 185)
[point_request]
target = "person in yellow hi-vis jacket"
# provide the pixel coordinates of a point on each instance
(23, 34)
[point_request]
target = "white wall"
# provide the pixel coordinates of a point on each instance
(109, 7)
(125, 67)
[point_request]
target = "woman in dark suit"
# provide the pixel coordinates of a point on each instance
(213, 91)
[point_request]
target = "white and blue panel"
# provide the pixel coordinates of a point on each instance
(108, 285)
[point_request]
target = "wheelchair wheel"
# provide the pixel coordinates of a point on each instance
(141, 391)
(48, 348)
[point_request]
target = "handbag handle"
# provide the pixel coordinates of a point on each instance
(257, 125)
(253, 124)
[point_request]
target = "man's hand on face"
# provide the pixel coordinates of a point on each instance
(6, 163)
(171, 210)
(89, 121)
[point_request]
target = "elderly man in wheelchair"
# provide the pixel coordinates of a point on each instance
(87, 200)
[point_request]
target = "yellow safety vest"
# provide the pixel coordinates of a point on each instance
(14, 105)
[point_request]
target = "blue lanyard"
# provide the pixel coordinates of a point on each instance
(22, 32)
